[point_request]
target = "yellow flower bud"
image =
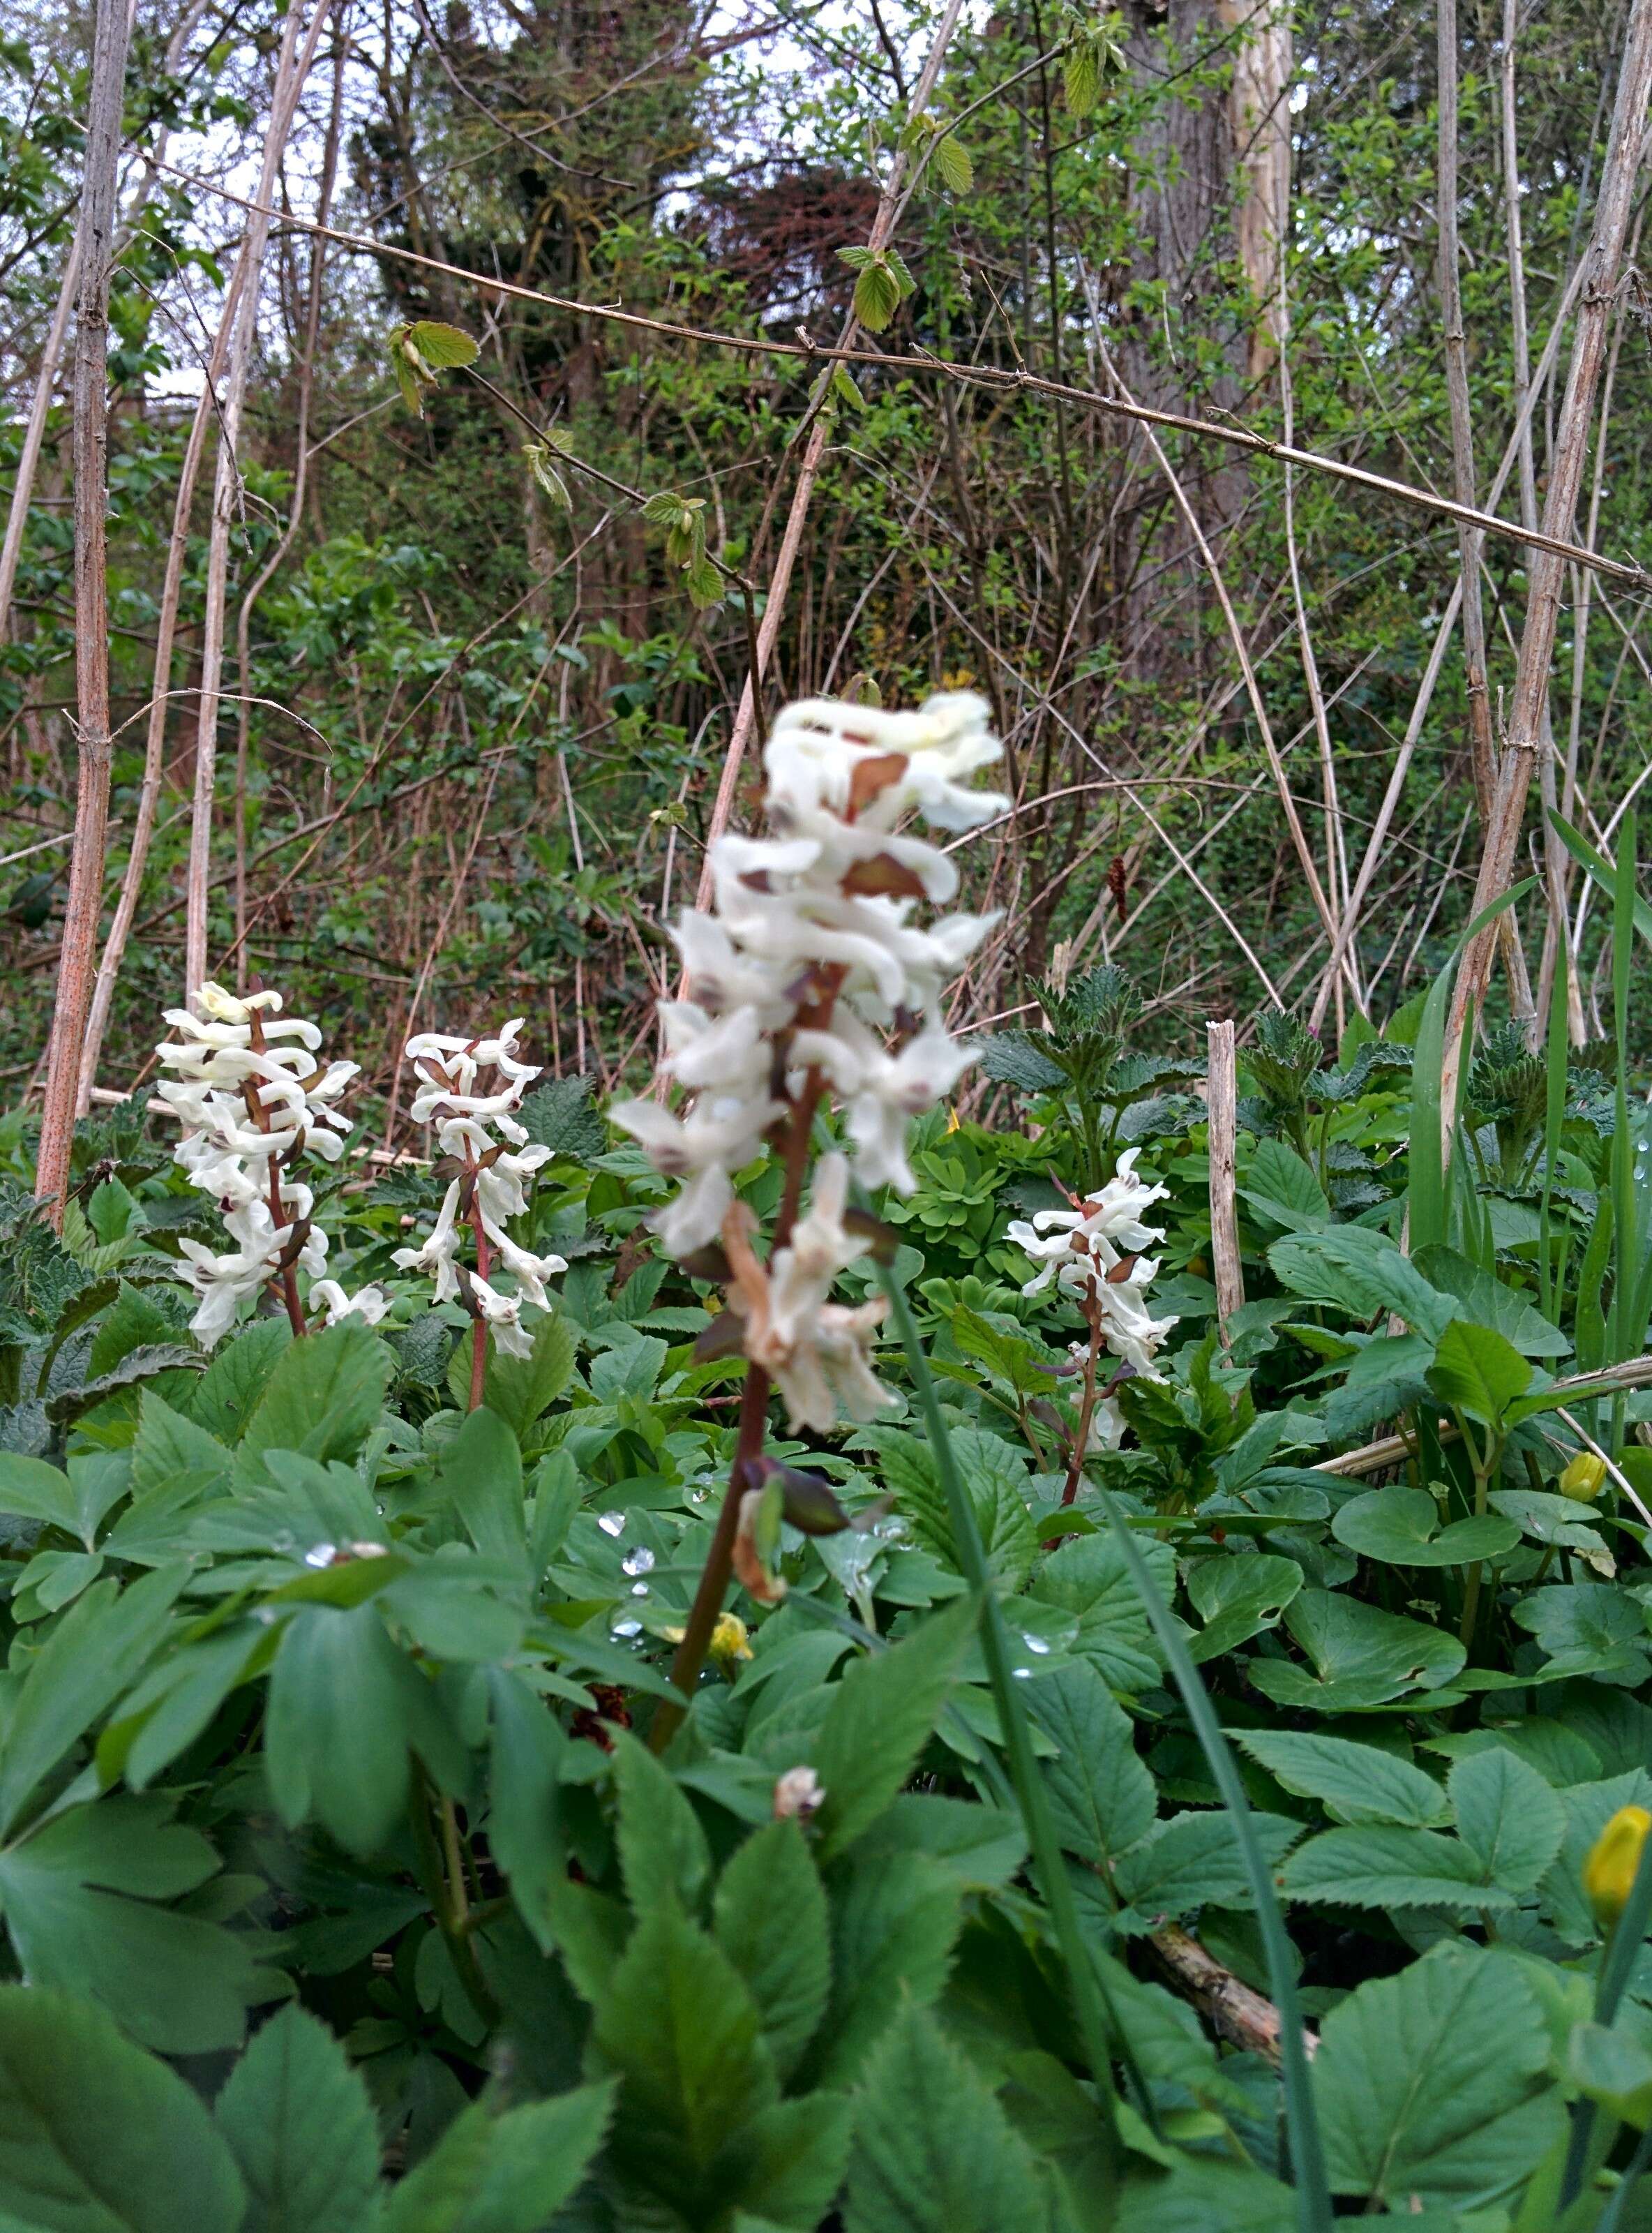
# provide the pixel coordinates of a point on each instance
(1583, 1477)
(730, 1640)
(1613, 1860)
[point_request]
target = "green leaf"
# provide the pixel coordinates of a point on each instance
(31, 1489)
(932, 2152)
(952, 159)
(479, 1474)
(561, 1115)
(525, 1833)
(227, 1392)
(1587, 1628)
(894, 1922)
(177, 1982)
(442, 347)
(770, 1920)
(168, 1444)
(299, 2122)
(678, 2025)
(882, 1716)
(503, 2174)
(1434, 2083)
(1353, 1782)
(1361, 1657)
(98, 2137)
(324, 1395)
(1612, 2065)
(663, 1853)
(1376, 1864)
(1015, 1058)
(1478, 1371)
(1194, 1860)
(520, 1388)
(92, 1655)
(1486, 1299)
(151, 1362)
(1361, 1274)
(1088, 1577)
(1237, 1598)
(336, 1737)
(787, 2162)
(1101, 1789)
(1508, 1816)
(1401, 1527)
(1280, 1184)
(1080, 77)
(877, 294)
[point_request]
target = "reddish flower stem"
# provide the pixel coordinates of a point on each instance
(1087, 1408)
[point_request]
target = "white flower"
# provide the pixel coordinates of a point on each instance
(817, 1353)
(252, 1099)
(369, 1303)
(1095, 1255)
(488, 1190)
(814, 942)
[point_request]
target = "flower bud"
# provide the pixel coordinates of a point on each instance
(1583, 1477)
(798, 1793)
(731, 1641)
(1613, 1859)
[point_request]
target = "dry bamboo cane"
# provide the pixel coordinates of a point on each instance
(890, 203)
(166, 637)
(111, 33)
(226, 488)
(34, 435)
(1546, 571)
(1222, 1087)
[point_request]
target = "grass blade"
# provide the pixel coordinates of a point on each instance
(1302, 2120)
(1626, 1265)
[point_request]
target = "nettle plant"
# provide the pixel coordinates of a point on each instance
(553, 1707)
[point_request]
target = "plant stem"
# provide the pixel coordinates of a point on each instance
(1087, 1408)
(445, 1892)
(479, 1331)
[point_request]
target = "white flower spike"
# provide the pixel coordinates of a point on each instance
(1094, 1253)
(253, 1099)
(486, 1189)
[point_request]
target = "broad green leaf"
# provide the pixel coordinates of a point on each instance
(559, 1115)
(894, 1926)
(932, 2150)
(1360, 1273)
(98, 2137)
(1376, 1865)
(1081, 78)
(882, 1716)
(165, 1361)
(1280, 1184)
(1353, 1782)
(1478, 1371)
(770, 1920)
(663, 1853)
(1587, 1628)
(787, 2162)
(1087, 1576)
(1401, 1527)
(337, 1731)
(1488, 1302)
(1100, 1788)
(323, 1397)
(480, 1475)
(94, 1651)
(982, 1846)
(169, 1444)
(1613, 2065)
(77, 1895)
(953, 162)
(1360, 1655)
(31, 1489)
(520, 1388)
(678, 2025)
(1434, 2083)
(525, 1833)
(1589, 1808)
(1014, 1059)
(1507, 1816)
(1238, 1598)
(231, 1389)
(441, 346)
(503, 2174)
(299, 2122)
(1194, 1861)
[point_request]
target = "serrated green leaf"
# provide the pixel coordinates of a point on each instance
(1508, 1816)
(560, 1115)
(1379, 1865)
(770, 1920)
(952, 159)
(880, 1716)
(442, 347)
(1434, 2084)
(300, 2127)
(1478, 1371)
(1194, 1860)
(503, 2174)
(894, 1922)
(1353, 1782)
(877, 296)
(323, 1397)
(1100, 1788)
(1082, 78)
(98, 2137)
